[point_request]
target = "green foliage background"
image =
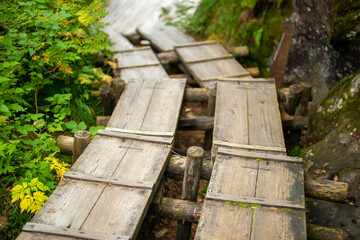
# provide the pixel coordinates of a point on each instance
(49, 50)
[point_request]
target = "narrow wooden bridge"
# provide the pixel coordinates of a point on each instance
(255, 191)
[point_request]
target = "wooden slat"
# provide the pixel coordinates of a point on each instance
(155, 139)
(210, 59)
(164, 38)
(133, 49)
(139, 65)
(109, 180)
(244, 74)
(246, 79)
(121, 43)
(250, 147)
(207, 72)
(52, 230)
(257, 155)
(195, 44)
(248, 200)
(146, 133)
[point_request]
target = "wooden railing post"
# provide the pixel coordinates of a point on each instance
(210, 112)
(193, 167)
(81, 141)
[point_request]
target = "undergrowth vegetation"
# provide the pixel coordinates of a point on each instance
(254, 23)
(49, 62)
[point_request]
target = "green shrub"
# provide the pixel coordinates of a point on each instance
(48, 55)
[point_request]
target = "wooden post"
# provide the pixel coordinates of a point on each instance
(102, 120)
(106, 99)
(81, 141)
(293, 98)
(118, 87)
(210, 112)
(193, 166)
(278, 67)
(305, 97)
(66, 144)
(180, 209)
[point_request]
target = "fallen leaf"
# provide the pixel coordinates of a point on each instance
(348, 126)
(52, 210)
(319, 171)
(226, 140)
(161, 233)
(334, 150)
(273, 208)
(128, 113)
(336, 178)
(326, 164)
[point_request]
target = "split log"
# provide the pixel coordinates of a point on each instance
(190, 188)
(197, 123)
(239, 51)
(81, 141)
(66, 144)
(306, 96)
(197, 94)
(326, 189)
(293, 99)
(168, 57)
(106, 99)
(179, 209)
(102, 120)
(315, 232)
(254, 71)
(176, 168)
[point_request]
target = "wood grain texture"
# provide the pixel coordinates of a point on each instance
(205, 61)
(51, 230)
(224, 221)
(164, 38)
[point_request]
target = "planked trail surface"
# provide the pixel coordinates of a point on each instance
(164, 38)
(125, 16)
(111, 209)
(249, 198)
(207, 61)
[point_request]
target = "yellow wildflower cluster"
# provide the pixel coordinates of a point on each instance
(30, 194)
(59, 167)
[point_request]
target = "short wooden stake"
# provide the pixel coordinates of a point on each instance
(193, 167)
(210, 112)
(293, 99)
(66, 144)
(81, 141)
(118, 87)
(106, 99)
(305, 98)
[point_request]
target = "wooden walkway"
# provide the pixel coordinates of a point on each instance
(255, 191)
(107, 192)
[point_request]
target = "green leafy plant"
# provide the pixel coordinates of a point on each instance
(49, 55)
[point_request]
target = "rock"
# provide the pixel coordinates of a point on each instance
(345, 139)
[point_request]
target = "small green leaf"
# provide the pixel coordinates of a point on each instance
(16, 107)
(82, 125)
(4, 108)
(71, 125)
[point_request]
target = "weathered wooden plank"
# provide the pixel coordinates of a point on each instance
(195, 56)
(246, 79)
(164, 38)
(134, 49)
(269, 223)
(133, 58)
(250, 179)
(121, 43)
(250, 147)
(264, 115)
(257, 155)
(149, 106)
(146, 133)
(139, 65)
(196, 44)
(252, 200)
(224, 221)
(154, 139)
(109, 180)
(52, 230)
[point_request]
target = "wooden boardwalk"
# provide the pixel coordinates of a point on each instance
(255, 191)
(107, 192)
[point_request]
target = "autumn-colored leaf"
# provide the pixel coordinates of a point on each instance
(336, 178)
(326, 164)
